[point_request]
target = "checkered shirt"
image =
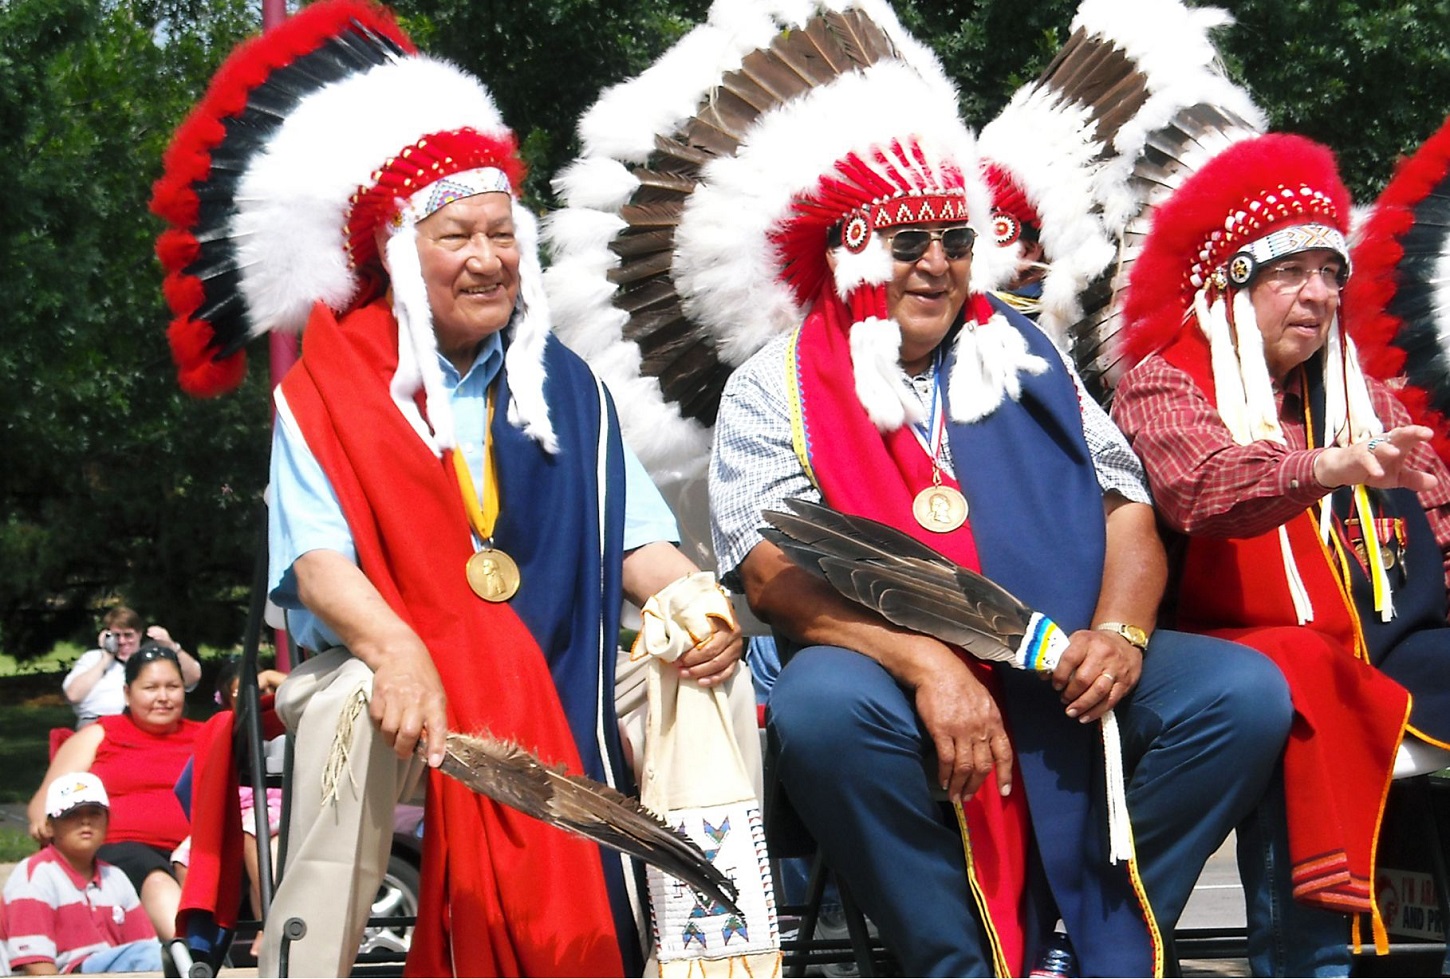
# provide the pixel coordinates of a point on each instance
(1207, 484)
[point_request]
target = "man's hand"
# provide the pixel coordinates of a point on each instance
(1097, 670)
(713, 661)
(966, 727)
(1381, 462)
(408, 700)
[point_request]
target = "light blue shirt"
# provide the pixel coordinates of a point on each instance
(305, 515)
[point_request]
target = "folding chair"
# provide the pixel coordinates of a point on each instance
(788, 838)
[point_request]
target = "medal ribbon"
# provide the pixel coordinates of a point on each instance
(482, 515)
(930, 438)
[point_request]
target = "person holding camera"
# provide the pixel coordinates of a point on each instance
(95, 685)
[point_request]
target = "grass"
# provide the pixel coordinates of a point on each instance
(26, 716)
(59, 660)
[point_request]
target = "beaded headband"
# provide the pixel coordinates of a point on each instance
(1253, 233)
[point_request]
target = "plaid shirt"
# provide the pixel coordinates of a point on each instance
(1207, 484)
(754, 466)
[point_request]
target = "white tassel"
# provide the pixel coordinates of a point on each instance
(528, 410)
(991, 357)
(417, 347)
(1303, 607)
(876, 363)
(1120, 826)
(1260, 408)
(1228, 380)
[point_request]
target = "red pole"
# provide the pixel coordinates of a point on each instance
(281, 347)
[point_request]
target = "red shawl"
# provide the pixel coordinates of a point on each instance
(503, 894)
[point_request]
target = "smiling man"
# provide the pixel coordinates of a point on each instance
(908, 396)
(455, 520)
(1311, 517)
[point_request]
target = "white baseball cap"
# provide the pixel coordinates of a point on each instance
(72, 791)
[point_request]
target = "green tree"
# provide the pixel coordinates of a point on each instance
(115, 486)
(1370, 78)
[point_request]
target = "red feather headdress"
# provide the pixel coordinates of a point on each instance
(1396, 304)
(249, 99)
(1242, 195)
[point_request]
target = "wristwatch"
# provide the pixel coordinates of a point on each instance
(1132, 633)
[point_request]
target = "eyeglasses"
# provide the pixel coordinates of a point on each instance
(1289, 279)
(910, 244)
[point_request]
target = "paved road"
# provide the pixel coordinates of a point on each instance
(1217, 902)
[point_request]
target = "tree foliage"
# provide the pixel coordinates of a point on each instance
(115, 486)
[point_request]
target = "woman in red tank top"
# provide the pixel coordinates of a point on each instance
(138, 755)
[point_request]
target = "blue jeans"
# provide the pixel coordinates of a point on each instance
(1201, 733)
(142, 956)
(1286, 938)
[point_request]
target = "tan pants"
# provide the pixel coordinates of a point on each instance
(346, 781)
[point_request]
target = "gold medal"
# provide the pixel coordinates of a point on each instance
(1387, 556)
(940, 509)
(493, 575)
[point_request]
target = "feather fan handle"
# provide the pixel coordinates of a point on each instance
(1042, 647)
(514, 777)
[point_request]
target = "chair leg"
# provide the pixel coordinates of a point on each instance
(815, 892)
(856, 928)
(1436, 846)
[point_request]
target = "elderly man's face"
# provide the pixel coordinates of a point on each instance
(470, 262)
(925, 295)
(1295, 300)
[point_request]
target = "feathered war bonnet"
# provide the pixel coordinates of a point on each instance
(669, 269)
(1059, 155)
(310, 139)
(1260, 200)
(1263, 199)
(877, 148)
(1397, 306)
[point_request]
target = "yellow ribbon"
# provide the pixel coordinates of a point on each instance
(481, 515)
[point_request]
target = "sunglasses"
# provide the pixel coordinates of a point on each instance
(909, 245)
(149, 654)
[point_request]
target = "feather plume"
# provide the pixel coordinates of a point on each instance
(248, 104)
(512, 776)
(905, 581)
(688, 323)
(1070, 140)
(1397, 302)
(1168, 157)
(916, 588)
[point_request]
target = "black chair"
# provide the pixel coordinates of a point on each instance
(787, 838)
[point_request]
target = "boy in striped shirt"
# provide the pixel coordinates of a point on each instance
(64, 910)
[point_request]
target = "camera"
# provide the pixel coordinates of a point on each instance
(110, 642)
